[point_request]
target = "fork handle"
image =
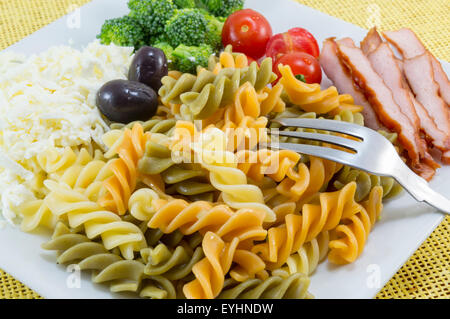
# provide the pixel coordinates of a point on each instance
(419, 189)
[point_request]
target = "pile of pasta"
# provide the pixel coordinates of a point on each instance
(191, 204)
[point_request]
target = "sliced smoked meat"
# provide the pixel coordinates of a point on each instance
(381, 99)
(406, 42)
(342, 79)
(410, 46)
(419, 74)
(383, 62)
(371, 41)
(441, 78)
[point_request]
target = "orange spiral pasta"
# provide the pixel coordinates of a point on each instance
(130, 146)
(188, 218)
(298, 229)
(210, 272)
(311, 98)
(352, 233)
(295, 179)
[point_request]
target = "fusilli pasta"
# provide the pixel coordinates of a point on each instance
(288, 238)
(353, 231)
(310, 98)
(121, 275)
(219, 257)
(129, 145)
(366, 182)
(80, 211)
(173, 264)
(294, 286)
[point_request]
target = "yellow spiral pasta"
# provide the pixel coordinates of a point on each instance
(76, 169)
(144, 203)
(311, 98)
(219, 257)
(56, 161)
(130, 146)
(298, 229)
(353, 231)
(210, 149)
(80, 211)
(225, 175)
(35, 213)
(86, 175)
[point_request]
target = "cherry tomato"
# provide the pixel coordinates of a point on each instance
(301, 63)
(296, 39)
(248, 32)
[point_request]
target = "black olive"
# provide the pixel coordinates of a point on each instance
(149, 65)
(126, 101)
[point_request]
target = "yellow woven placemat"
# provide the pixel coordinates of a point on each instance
(427, 273)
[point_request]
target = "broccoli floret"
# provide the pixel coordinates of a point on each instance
(214, 37)
(188, 27)
(124, 31)
(221, 8)
(187, 58)
(168, 50)
(180, 4)
(152, 14)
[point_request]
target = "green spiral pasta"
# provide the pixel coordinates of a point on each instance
(200, 96)
(365, 183)
(275, 287)
(107, 267)
(172, 240)
(173, 264)
(155, 125)
(189, 180)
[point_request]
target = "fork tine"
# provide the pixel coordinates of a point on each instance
(326, 125)
(318, 151)
(332, 139)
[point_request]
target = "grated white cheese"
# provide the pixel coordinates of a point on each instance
(49, 100)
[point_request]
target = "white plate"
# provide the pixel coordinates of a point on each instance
(405, 224)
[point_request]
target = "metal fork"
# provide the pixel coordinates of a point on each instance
(372, 153)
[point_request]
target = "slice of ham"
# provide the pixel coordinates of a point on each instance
(419, 74)
(410, 46)
(406, 42)
(433, 134)
(371, 41)
(381, 99)
(383, 62)
(341, 78)
(441, 78)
